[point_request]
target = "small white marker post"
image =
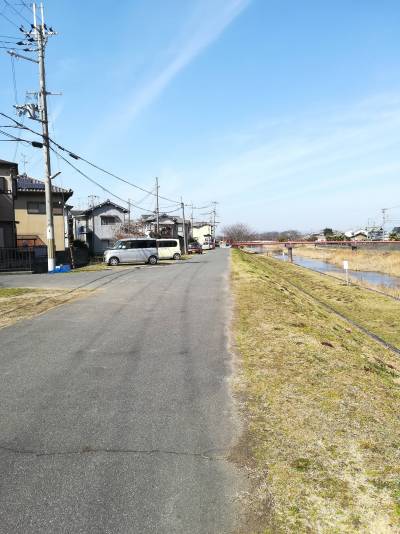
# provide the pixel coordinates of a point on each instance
(346, 270)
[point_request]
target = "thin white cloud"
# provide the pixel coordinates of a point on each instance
(205, 30)
(309, 152)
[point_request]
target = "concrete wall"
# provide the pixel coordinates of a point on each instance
(35, 224)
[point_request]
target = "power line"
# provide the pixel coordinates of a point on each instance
(8, 20)
(17, 12)
(10, 37)
(25, 5)
(101, 169)
(97, 183)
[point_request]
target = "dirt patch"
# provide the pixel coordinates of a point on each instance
(24, 303)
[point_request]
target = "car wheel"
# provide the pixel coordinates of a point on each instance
(176, 256)
(152, 260)
(113, 261)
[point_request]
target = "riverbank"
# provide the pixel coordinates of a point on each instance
(359, 260)
(320, 399)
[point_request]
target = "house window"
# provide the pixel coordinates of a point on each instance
(108, 220)
(3, 185)
(57, 208)
(39, 208)
(36, 207)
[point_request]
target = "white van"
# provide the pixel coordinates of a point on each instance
(169, 249)
(132, 250)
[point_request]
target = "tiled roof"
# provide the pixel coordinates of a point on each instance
(106, 203)
(26, 183)
(4, 162)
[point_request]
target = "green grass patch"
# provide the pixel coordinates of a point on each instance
(320, 399)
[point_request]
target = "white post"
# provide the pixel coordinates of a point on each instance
(346, 270)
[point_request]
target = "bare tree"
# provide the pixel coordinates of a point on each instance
(132, 229)
(238, 232)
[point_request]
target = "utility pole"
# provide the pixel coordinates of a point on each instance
(191, 220)
(184, 227)
(129, 213)
(40, 35)
(157, 211)
(214, 212)
(92, 202)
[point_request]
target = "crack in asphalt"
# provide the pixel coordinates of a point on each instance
(205, 455)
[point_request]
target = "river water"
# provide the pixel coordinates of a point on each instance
(378, 279)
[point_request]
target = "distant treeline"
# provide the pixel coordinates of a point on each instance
(242, 232)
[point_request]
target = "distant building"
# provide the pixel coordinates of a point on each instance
(97, 226)
(30, 213)
(168, 226)
(376, 233)
(358, 235)
(8, 193)
(203, 232)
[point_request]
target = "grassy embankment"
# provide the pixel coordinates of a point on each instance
(387, 262)
(24, 303)
(321, 401)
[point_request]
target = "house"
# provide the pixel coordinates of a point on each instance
(376, 233)
(203, 232)
(8, 192)
(321, 238)
(358, 235)
(30, 213)
(169, 226)
(98, 225)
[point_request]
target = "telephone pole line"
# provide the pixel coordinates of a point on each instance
(129, 213)
(184, 227)
(214, 212)
(157, 210)
(40, 34)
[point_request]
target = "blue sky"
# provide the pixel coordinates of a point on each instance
(287, 113)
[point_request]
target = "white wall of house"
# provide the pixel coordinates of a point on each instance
(199, 234)
(102, 223)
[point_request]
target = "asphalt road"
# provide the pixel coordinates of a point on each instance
(115, 412)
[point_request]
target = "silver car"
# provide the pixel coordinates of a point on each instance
(132, 250)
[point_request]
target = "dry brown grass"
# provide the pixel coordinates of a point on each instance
(24, 303)
(360, 260)
(321, 401)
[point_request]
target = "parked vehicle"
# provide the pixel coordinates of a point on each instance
(132, 250)
(195, 248)
(169, 249)
(208, 243)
